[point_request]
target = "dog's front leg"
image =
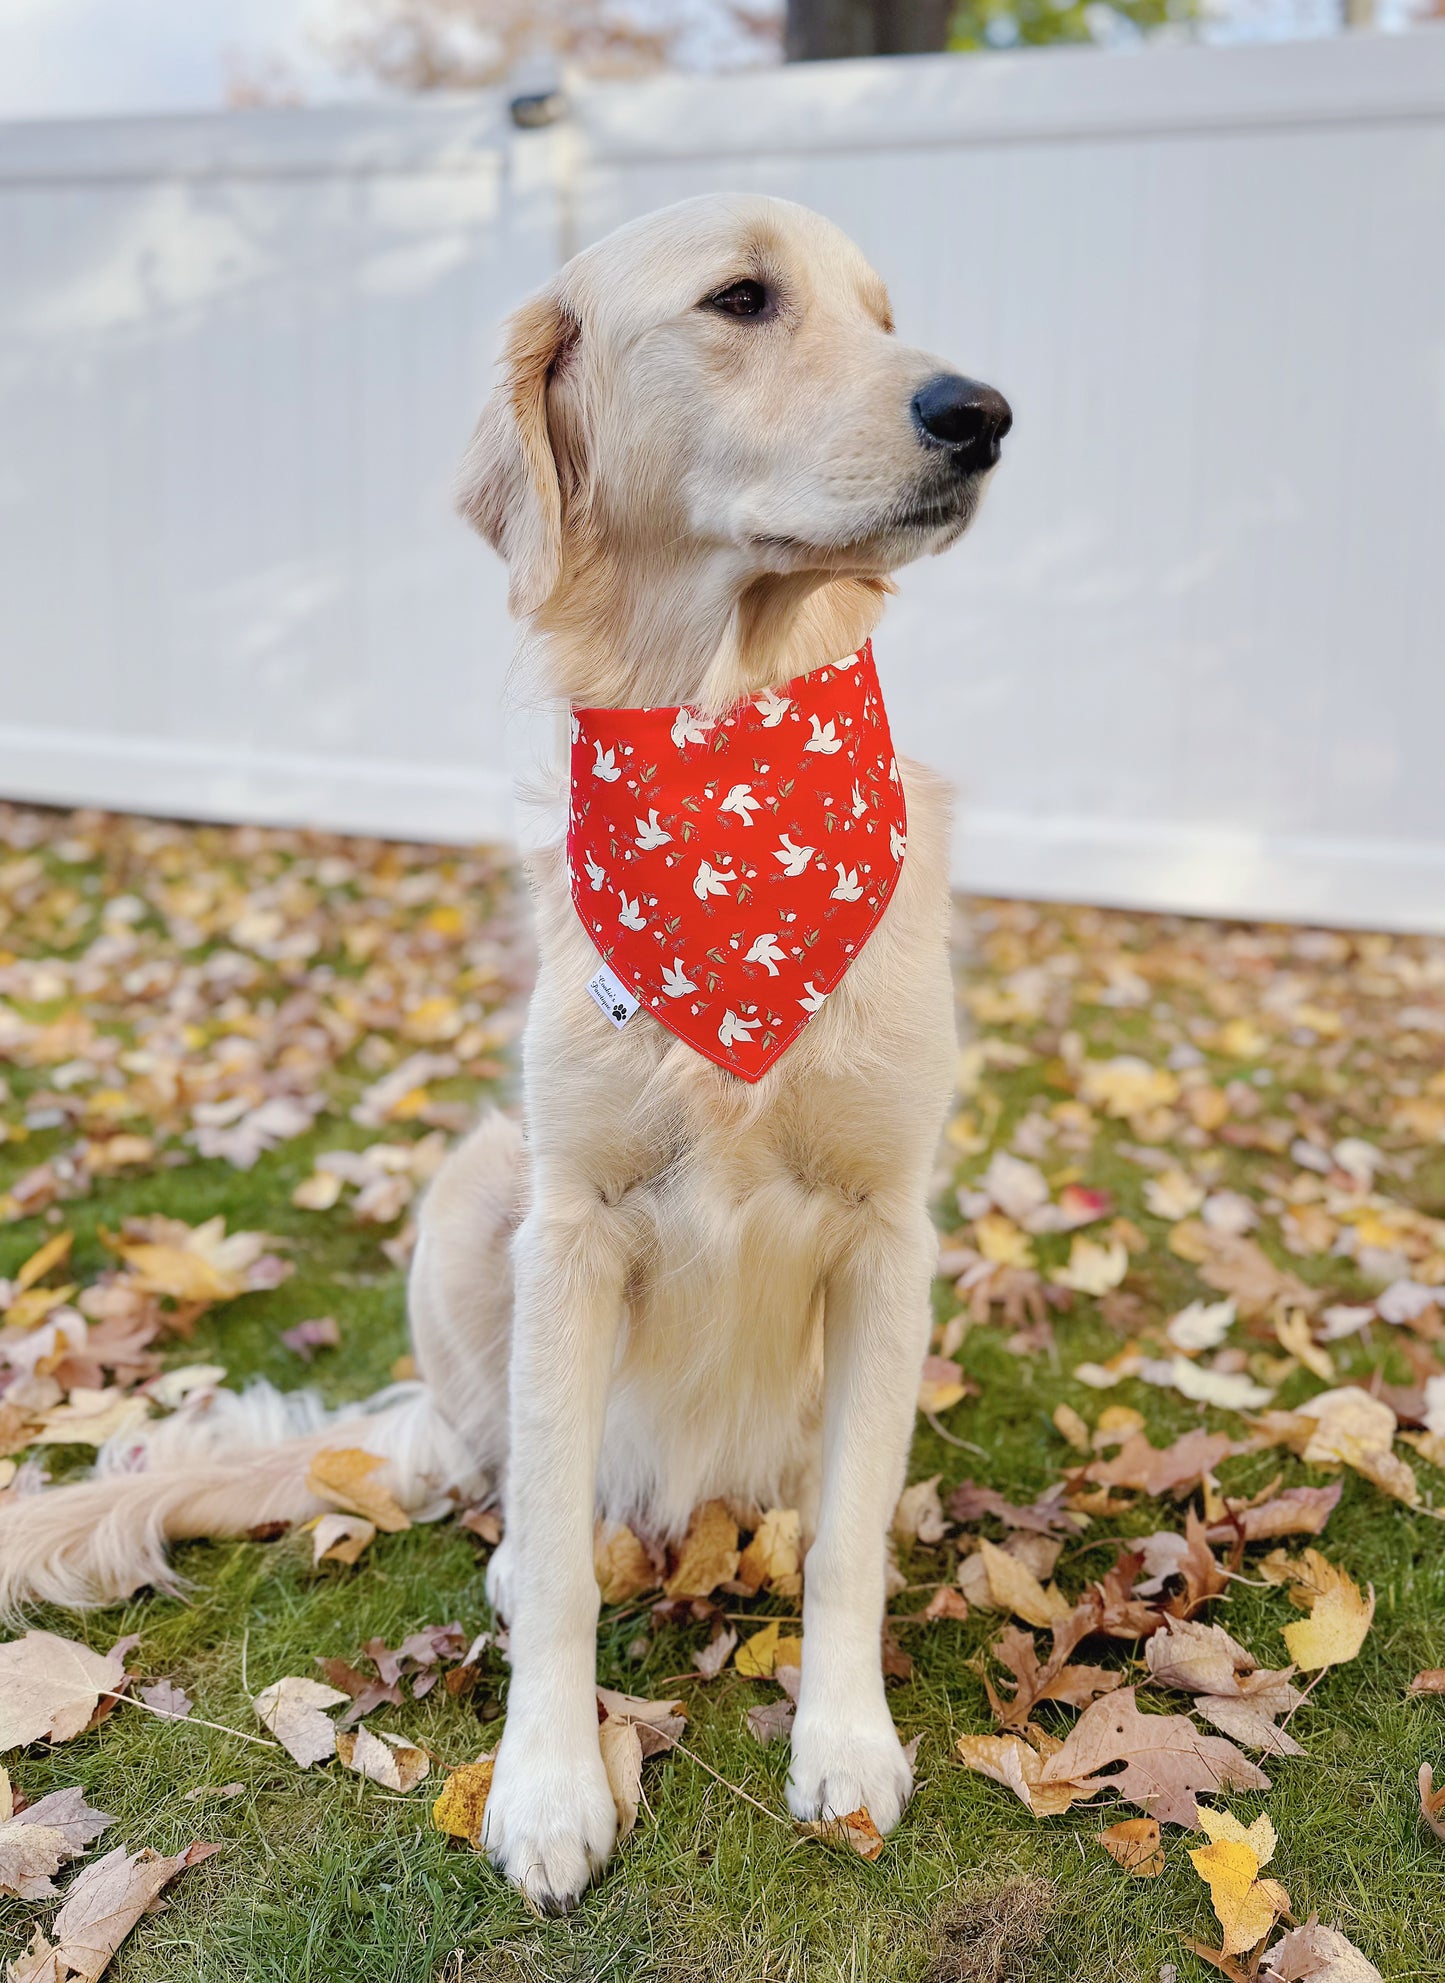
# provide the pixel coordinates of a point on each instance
(846, 1751)
(550, 1821)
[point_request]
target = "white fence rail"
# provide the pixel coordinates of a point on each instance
(1193, 656)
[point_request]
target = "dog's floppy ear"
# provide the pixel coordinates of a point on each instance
(508, 488)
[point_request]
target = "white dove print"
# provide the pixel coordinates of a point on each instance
(824, 738)
(650, 834)
(794, 859)
(741, 801)
(628, 914)
(897, 843)
(772, 707)
(814, 1000)
(709, 880)
(576, 727)
(686, 729)
(606, 765)
(676, 983)
(765, 950)
(848, 889)
(733, 1028)
(596, 875)
(860, 804)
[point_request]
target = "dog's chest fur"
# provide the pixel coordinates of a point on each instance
(737, 1199)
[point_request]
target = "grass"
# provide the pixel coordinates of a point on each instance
(327, 1879)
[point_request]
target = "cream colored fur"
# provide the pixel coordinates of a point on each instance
(667, 1285)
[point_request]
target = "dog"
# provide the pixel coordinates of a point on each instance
(706, 453)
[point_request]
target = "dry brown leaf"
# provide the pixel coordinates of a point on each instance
(709, 1555)
(774, 1557)
(624, 1568)
(385, 1759)
(855, 1831)
(1166, 1759)
(1055, 1680)
(55, 1249)
(45, 1836)
(459, 1809)
(1298, 1511)
(941, 1385)
(622, 1760)
(1431, 1681)
(102, 1904)
(1432, 1801)
(1155, 1470)
(339, 1538)
(1135, 1844)
(1315, 1954)
(1019, 1765)
(344, 1477)
(292, 1710)
(919, 1514)
(50, 1687)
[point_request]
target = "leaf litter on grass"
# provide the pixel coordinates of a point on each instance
(1190, 1173)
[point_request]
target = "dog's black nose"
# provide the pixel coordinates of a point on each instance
(968, 419)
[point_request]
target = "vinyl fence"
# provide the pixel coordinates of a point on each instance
(1193, 655)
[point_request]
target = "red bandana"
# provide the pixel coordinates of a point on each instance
(729, 872)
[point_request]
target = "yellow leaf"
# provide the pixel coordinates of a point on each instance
(1293, 1331)
(339, 1538)
(1135, 1843)
(1070, 1426)
(1093, 1269)
(43, 1259)
(941, 1384)
(317, 1193)
(624, 1568)
(775, 1555)
(759, 1657)
(172, 1270)
(709, 1554)
(1259, 1837)
(1018, 1765)
(1001, 1241)
(29, 1310)
(1241, 1039)
(1127, 1086)
(459, 1809)
(1334, 1631)
(343, 1476)
(1013, 1587)
(1247, 1906)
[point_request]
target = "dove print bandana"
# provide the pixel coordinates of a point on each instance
(730, 871)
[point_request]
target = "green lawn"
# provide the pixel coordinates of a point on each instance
(324, 1876)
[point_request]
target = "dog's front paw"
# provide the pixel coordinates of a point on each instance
(550, 1822)
(841, 1763)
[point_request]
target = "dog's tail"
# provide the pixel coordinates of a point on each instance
(224, 1464)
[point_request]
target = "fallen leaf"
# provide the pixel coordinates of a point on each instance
(339, 1538)
(941, 1384)
(166, 1698)
(343, 1476)
(1247, 1907)
(1093, 1268)
(771, 1721)
(292, 1710)
(1135, 1844)
(919, 1514)
(102, 1904)
(50, 1687)
(624, 1568)
(1315, 1954)
(1166, 1760)
(1298, 1511)
(758, 1657)
(1157, 1471)
(709, 1555)
(1014, 1588)
(1432, 1801)
(321, 1332)
(45, 1836)
(1019, 1766)
(622, 1759)
(385, 1759)
(1431, 1681)
(1339, 1617)
(459, 1809)
(774, 1557)
(855, 1830)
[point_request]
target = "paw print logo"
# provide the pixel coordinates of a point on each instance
(619, 1013)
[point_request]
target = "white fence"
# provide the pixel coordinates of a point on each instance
(1193, 655)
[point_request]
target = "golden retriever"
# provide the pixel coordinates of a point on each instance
(705, 455)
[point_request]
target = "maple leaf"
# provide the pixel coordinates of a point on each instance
(854, 1830)
(50, 1687)
(623, 1566)
(1018, 1764)
(1165, 1760)
(1339, 1617)
(103, 1903)
(1312, 1953)
(38, 1841)
(758, 1657)
(774, 1557)
(459, 1809)
(1298, 1511)
(1246, 1906)
(968, 1502)
(386, 1759)
(1157, 1471)
(1054, 1680)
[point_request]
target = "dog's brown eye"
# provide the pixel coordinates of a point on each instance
(740, 299)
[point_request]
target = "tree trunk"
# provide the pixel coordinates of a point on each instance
(830, 30)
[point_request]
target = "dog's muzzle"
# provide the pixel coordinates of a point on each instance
(966, 420)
